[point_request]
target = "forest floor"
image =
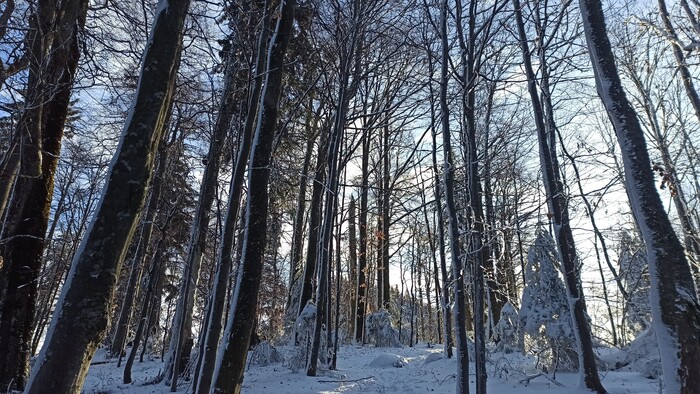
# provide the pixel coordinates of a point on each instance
(419, 369)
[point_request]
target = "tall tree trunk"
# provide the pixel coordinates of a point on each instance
(674, 306)
(25, 155)
(478, 251)
(151, 295)
(385, 215)
(28, 209)
(460, 311)
(445, 289)
(307, 284)
(299, 215)
(81, 317)
(228, 375)
(362, 258)
(214, 324)
(352, 262)
(333, 177)
(559, 209)
(138, 260)
(181, 332)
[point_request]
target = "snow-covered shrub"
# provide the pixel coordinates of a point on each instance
(432, 357)
(379, 329)
(641, 355)
(544, 310)
(387, 360)
(265, 354)
(303, 331)
(505, 333)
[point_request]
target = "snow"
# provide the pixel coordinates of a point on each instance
(366, 369)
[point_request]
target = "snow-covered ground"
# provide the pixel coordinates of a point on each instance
(378, 370)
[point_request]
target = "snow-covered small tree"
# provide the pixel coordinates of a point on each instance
(380, 331)
(544, 310)
(304, 331)
(506, 332)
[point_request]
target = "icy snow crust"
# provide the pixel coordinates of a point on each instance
(422, 371)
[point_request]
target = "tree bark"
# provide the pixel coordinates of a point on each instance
(28, 209)
(362, 257)
(674, 306)
(81, 317)
(225, 255)
(560, 214)
(228, 376)
(460, 311)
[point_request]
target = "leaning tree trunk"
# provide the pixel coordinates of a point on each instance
(559, 208)
(137, 264)
(298, 226)
(228, 376)
(307, 284)
(182, 321)
(214, 324)
(25, 154)
(674, 306)
(151, 295)
(25, 224)
(82, 313)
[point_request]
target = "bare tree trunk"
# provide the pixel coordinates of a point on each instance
(228, 375)
(460, 311)
(299, 215)
(362, 258)
(307, 288)
(330, 207)
(81, 317)
(478, 251)
(560, 213)
(182, 322)
(151, 295)
(218, 300)
(385, 214)
(137, 263)
(25, 155)
(352, 262)
(440, 241)
(674, 306)
(28, 209)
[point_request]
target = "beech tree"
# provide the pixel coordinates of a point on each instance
(228, 375)
(675, 308)
(54, 42)
(81, 317)
(546, 136)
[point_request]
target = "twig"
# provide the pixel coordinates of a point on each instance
(526, 380)
(345, 380)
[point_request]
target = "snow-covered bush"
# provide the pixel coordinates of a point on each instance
(265, 354)
(505, 333)
(304, 331)
(379, 329)
(387, 360)
(544, 310)
(641, 355)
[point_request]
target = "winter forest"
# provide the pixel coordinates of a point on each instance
(325, 196)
